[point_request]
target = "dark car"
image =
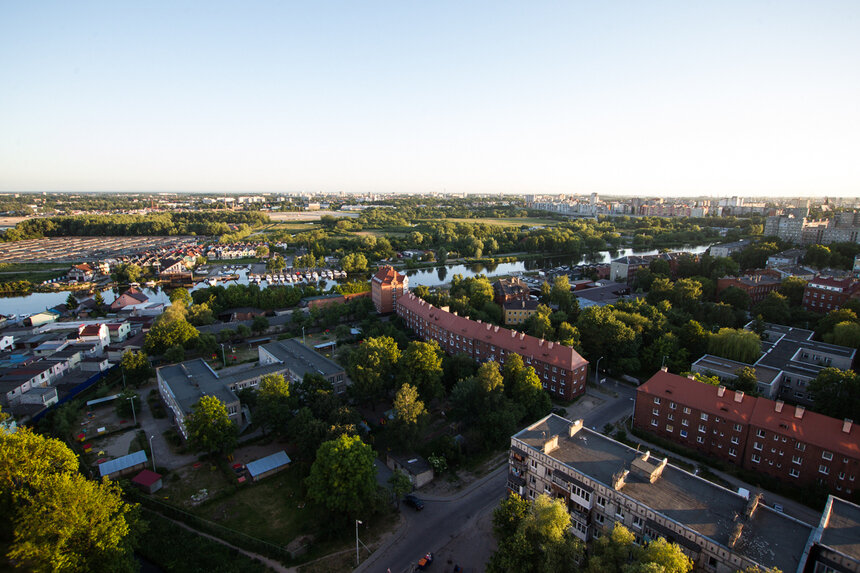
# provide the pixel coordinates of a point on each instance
(414, 502)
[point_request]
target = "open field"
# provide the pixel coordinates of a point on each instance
(509, 222)
(306, 215)
(76, 249)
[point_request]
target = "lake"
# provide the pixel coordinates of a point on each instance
(37, 302)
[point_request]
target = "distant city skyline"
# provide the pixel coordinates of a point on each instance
(750, 99)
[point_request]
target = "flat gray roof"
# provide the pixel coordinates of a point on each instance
(302, 359)
(189, 381)
(718, 364)
(842, 532)
(769, 538)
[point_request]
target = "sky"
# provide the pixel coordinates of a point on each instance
(654, 98)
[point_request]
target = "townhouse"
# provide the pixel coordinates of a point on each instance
(561, 369)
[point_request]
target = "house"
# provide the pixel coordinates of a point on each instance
(123, 466)
(131, 297)
(726, 249)
(95, 364)
(758, 434)
(519, 311)
(561, 369)
(81, 273)
(386, 286)
(757, 285)
(267, 466)
(96, 333)
(6, 342)
(603, 482)
(509, 290)
(417, 468)
(170, 267)
(148, 481)
(118, 331)
(41, 318)
(791, 257)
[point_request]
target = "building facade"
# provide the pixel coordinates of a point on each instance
(519, 311)
(510, 290)
(386, 287)
(823, 294)
(757, 286)
(786, 442)
(561, 369)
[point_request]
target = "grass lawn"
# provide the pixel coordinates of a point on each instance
(509, 222)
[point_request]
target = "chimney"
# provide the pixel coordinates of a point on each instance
(798, 412)
(513, 334)
(778, 405)
(541, 342)
(549, 345)
(846, 425)
(664, 369)
(455, 313)
(739, 396)
(721, 390)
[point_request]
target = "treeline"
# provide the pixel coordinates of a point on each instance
(220, 298)
(183, 223)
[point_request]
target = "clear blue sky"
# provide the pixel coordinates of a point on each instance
(641, 97)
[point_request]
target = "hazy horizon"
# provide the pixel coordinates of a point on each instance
(662, 99)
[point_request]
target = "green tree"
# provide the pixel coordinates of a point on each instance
(210, 428)
(836, 393)
(136, 368)
(170, 329)
(686, 293)
(400, 484)
(846, 333)
(200, 314)
(276, 264)
(180, 296)
(408, 407)
(421, 365)
(274, 404)
(824, 328)
(262, 252)
(175, 353)
(489, 378)
(668, 556)
(735, 344)
(612, 551)
(774, 308)
(29, 458)
(98, 299)
(71, 302)
(342, 477)
(818, 256)
(372, 366)
(736, 297)
(259, 324)
(242, 331)
(354, 263)
(746, 380)
(793, 287)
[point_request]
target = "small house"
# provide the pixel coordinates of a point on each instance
(417, 468)
(270, 465)
(123, 466)
(148, 481)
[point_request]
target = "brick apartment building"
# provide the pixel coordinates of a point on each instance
(603, 482)
(386, 287)
(519, 311)
(561, 369)
(757, 285)
(786, 442)
(509, 290)
(823, 294)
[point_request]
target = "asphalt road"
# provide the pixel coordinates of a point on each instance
(441, 520)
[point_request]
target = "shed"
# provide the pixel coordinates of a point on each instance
(419, 471)
(148, 481)
(264, 467)
(124, 465)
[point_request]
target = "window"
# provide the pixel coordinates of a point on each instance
(796, 460)
(638, 522)
(599, 519)
(686, 410)
(685, 422)
(704, 416)
(578, 491)
(670, 428)
(760, 433)
(700, 440)
(794, 473)
(735, 440)
(601, 501)
(757, 446)
(841, 475)
(800, 446)
(702, 429)
(822, 469)
(619, 513)
(755, 458)
(654, 422)
(656, 400)
(737, 427)
(656, 411)
(683, 433)
(672, 405)
(533, 463)
(670, 417)
(733, 452)
(827, 455)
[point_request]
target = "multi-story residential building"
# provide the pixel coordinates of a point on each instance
(510, 290)
(836, 542)
(561, 369)
(386, 287)
(519, 311)
(603, 482)
(786, 442)
(299, 360)
(757, 285)
(842, 228)
(790, 257)
(789, 361)
(823, 294)
(130, 297)
(726, 249)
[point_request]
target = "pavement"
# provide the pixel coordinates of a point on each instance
(165, 456)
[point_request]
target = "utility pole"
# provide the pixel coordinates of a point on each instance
(597, 368)
(357, 523)
(132, 408)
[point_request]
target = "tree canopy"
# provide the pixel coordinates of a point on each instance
(342, 477)
(210, 428)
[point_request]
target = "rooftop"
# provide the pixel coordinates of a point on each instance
(189, 381)
(734, 406)
(521, 305)
(301, 359)
(268, 463)
(768, 537)
(124, 462)
(841, 521)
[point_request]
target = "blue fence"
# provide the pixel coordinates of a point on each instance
(75, 391)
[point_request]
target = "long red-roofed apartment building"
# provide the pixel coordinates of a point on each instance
(386, 286)
(787, 442)
(561, 369)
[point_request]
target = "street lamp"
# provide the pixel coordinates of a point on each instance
(597, 369)
(132, 408)
(303, 335)
(357, 523)
(223, 358)
(152, 452)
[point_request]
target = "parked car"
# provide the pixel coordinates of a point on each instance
(414, 502)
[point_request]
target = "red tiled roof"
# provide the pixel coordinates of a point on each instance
(91, 330)
(387, 275)
(699, 395)
(146, 478)
(510, 340)
(812, 428)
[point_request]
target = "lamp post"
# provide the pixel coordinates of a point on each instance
(223, 358)
(152, 452)
(357, 523)
(303, 335)
(134, 415)
(597, 369)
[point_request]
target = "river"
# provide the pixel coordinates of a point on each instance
(37, 302)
